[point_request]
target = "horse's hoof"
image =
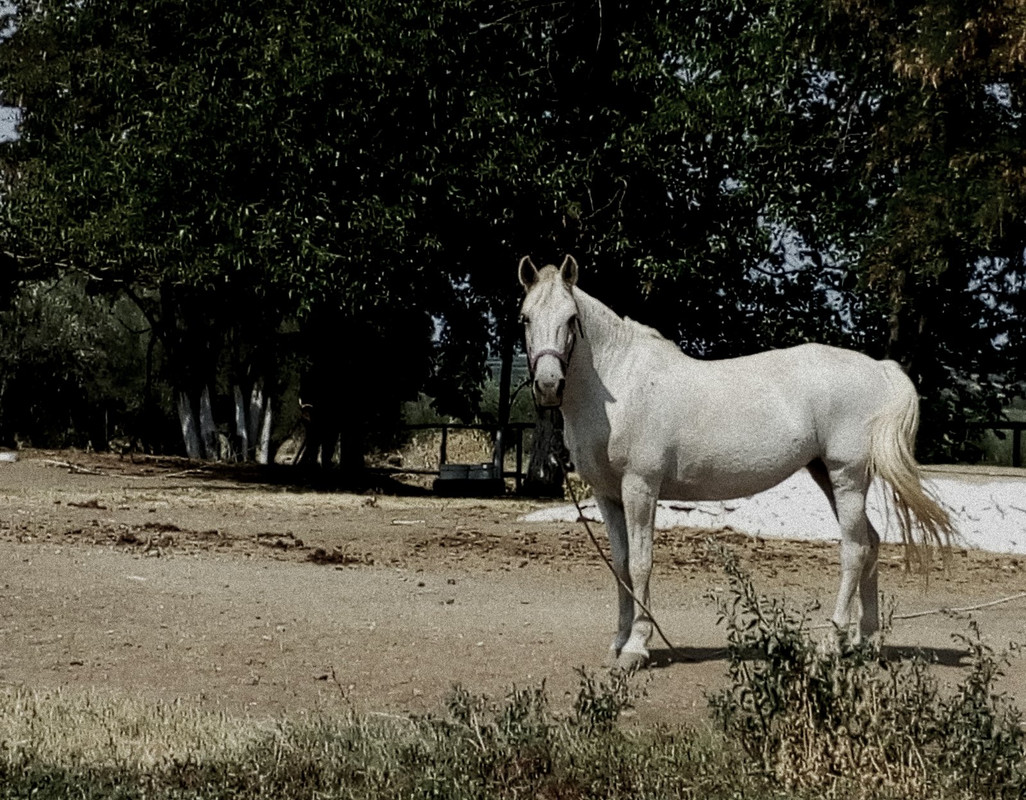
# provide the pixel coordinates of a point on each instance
(628, 662)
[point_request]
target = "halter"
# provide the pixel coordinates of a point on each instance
(563, 356)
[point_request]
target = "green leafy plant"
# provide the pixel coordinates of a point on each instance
(599, 703)
(835, 717)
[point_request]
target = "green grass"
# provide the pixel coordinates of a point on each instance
(795, 721)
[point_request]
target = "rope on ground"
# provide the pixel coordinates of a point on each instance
(942, 610)
(963, 609)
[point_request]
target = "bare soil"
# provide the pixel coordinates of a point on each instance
(229, 591)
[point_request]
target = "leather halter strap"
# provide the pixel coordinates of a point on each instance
(564, 358)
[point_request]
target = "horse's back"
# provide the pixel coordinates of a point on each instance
(731, 427)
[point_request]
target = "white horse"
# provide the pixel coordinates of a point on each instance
(643, 421)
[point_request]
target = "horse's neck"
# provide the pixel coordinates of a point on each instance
(611, 347)
(605, 340)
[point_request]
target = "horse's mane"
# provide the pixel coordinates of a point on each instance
(632, 328)
(640, 329)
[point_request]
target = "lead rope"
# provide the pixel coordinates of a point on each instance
(676, 651)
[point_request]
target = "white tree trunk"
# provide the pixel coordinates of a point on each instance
(263, 451)
(208, 432)
(242, 426)
(258, 421)
(255, 412)
(187, 421)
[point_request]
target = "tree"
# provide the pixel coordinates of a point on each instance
(343, 190)
(923, 146)
(862, 169)
(62, 354)
(221, 165)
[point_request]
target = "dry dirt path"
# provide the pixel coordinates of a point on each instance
(171, 582)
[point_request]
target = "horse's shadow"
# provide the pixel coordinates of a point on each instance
(662, 658)
(942, 656)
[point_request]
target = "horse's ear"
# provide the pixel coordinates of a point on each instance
(569, 271)
(527, 272)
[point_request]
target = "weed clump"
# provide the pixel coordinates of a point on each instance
(847, 720)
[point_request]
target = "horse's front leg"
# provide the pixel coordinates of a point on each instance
(616, 530)
(639, 506)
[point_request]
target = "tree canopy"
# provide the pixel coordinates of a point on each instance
(338, 193)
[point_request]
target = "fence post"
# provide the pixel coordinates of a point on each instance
(498, 451)
(520, 457)
(442, 456)
(1017, 446)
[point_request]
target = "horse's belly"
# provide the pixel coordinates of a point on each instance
(740, 461)
(726, 486)
(733, 474)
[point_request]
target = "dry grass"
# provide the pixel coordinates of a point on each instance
(68, 728)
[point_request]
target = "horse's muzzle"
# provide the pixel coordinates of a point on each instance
(548, 392)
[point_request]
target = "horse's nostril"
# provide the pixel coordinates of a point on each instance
(549, 391)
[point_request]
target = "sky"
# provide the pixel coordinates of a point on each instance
(8, 120)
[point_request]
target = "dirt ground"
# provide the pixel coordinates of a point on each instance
(167, 580)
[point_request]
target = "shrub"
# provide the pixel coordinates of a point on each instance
(847, 720)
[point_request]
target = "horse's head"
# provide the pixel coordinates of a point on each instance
(551, 326)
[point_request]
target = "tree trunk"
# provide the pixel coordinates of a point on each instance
(208, 431)
(252, 423)
(349, 433)
(263, 448)
(548, 453)
(241, 425)
(505, 378)
(187, 421)
(259, 420)
(258, 405)
(322, 433)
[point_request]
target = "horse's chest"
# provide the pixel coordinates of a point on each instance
(591, 459)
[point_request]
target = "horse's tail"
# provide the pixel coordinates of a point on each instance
(924, 523)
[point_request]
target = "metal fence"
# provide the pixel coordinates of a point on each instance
(512, 435)
(1015, 426)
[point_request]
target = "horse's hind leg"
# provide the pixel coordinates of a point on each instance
(821, 475)
(616, 529)
(860, 544)
(869, 593)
